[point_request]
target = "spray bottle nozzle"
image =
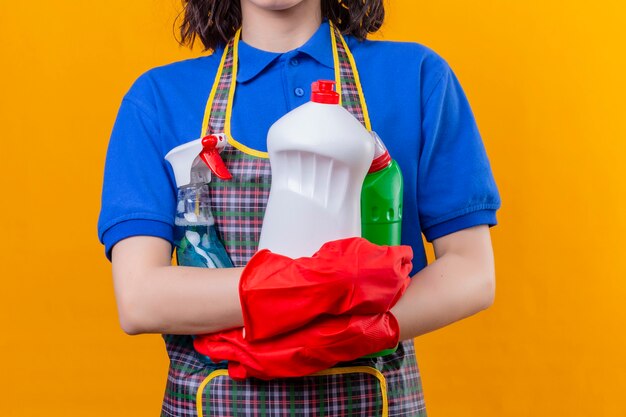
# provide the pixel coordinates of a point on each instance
(211, 157)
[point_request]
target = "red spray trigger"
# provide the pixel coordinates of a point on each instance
(211, 157)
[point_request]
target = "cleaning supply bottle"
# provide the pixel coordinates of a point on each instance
(381, 204)
(319, 154)
(381, 199)
(195, 237)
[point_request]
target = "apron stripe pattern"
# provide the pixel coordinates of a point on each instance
(238, 205)
(186, 373)
(386, 386)
(347, 391)
(348, 84)
(215, 112)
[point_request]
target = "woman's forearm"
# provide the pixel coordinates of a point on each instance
(186, 300)
(460, 283)
(155, 297)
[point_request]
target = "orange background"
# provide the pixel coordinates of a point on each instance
(545, 80)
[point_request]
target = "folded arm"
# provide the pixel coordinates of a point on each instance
(458, 284)
(155, 297)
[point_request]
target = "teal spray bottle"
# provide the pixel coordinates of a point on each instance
(195, 237)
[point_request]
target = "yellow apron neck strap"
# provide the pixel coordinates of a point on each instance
(351, 76)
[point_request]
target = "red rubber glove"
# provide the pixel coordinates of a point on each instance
(317, 346)
(348, 276)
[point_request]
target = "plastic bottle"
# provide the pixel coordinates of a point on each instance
(196, 240)
(381, 204)
(381, 199)
(319, 154)
(195, 237)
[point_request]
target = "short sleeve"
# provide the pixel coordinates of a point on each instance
(456, 188)
(138, 195)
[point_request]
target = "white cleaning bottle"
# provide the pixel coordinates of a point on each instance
(319, 154)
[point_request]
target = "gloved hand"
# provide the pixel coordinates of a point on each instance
(314, 347)
(348, 276)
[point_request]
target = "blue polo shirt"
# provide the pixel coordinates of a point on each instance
(415, 103)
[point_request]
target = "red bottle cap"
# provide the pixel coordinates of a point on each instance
(322, 91)
(380, 162)
(381, 156)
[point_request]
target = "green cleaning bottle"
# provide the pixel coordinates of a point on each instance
(381, 204)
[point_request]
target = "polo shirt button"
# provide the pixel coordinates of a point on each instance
(295, 62)
(299, 92)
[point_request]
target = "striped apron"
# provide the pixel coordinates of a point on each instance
(383, 386)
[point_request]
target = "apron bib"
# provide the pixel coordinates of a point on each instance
(382, 386)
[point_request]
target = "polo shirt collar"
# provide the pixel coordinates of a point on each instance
(252, 60)
(319, 46)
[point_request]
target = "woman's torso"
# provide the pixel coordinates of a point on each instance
(269, 87)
